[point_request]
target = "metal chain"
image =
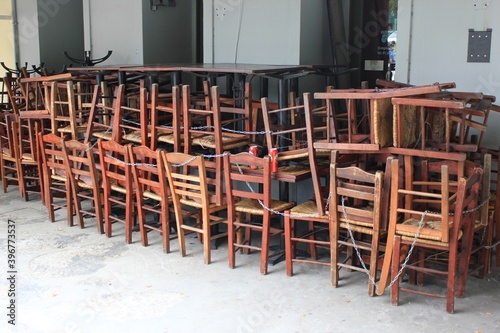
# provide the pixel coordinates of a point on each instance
(278, 212)
(95, 143)
(175, 165)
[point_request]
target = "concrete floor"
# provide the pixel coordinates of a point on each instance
(74, 280)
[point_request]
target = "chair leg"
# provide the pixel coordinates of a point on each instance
(107, 219)
(181, 237)
(165, 227)
(373, 264)
(395, 270)
(288, 243)
(98, 210)
(312, 246)
(264, 256)
(142, 220)
(230, 239)
(129, 218)
(334, 253)
(206, 239)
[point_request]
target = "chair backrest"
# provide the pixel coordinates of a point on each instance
(115, 165)
(187, 181)
(131, 120)
(248, 177)
(52, 155)
(11, 86)
(166, 119)
(198, 123)
(318, 128)
(81, 163)
(148, 172)
(62, 107)
(102, 112)
(356, 196)
(285, 131)
(8, 135)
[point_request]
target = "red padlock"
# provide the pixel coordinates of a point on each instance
(254, 150)
(273, 152)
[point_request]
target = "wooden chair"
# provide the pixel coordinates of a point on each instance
(248, 189)
(204, 128)
(15, 98)
(36, 102)
(103, 107)
(166, 118)
(117, 186)
(189, 188)
(67, 119)
(131, 122)
(286, 132)
(344, 105)
(356, 206)
(417, 228)
(85, 182)
(484, 223)
(203, 135)
(57, 187)
(30, 162)
(313, 211)
(9, 159)
(152, 193)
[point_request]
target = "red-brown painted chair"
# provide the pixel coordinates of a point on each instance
(85, 182)
(152, 194)
(248, 190)
(117, 186)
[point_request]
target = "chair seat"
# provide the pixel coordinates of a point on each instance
(134, 136)
(229, 142)
(430, 232)
(298, 154)
(198, 204)
(152, 195)
(59, 177)
(119, 188)
(67, 129)
(27, 158)
(6, 153)
(103, 135)
(170, 138)
(308, 209)
(254, 207)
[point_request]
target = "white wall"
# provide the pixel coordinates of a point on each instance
(256, 31)
(438, 48)
(29, 43)
(117, 25)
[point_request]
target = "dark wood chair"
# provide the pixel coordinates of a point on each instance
(313, 211)
(117, 186)
(85, 182)
(152, 193)
(30, 162)
(412, 228)
(250, 207)
(356, 207)
(57, 187)
(166, 120)
(69, 110)
(9, 159)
